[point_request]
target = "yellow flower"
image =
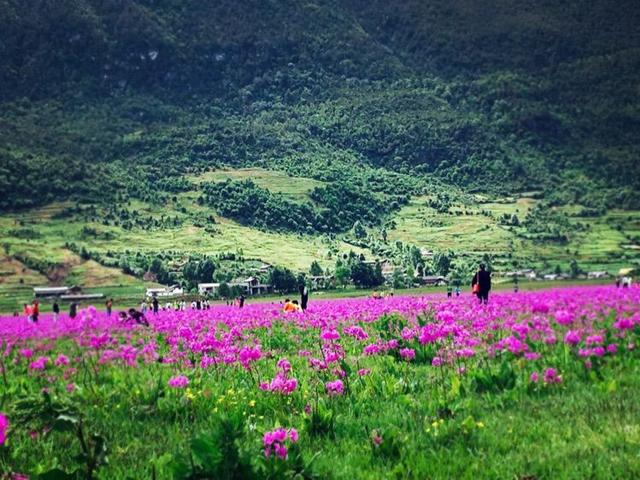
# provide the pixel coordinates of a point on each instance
(252, 403)
(215, 410)
(435, 424)
(480, 425)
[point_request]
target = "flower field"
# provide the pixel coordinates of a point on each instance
(534, 385)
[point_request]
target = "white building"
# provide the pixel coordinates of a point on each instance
(172, 291)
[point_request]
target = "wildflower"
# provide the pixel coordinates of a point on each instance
(274, 441)
(408, 353)
(534, 377)
(563, 317)
(61, 360)
(371, 349)
(572, 337)
(436, 362)
(70, 387)
(364, 371)
(179, 381)
(39, 364)
(551, 376)
(26, 352)
(612, 348)
(335, 388)
(329, 335)
(4, 426)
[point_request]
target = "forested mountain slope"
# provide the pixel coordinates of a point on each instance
(102, 100)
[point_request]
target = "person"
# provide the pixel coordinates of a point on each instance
(56, 310)
(143, 307)
(35, 311)
(449, 291)
(376, 295)
(289, 306)
(134, 315)
(27, 311)
(617, 282)
(198, 304)
(109, 305)
(155, 305)
(481, 284)
(241, 301)
(304, 297)
(73, 310)
(457, 291)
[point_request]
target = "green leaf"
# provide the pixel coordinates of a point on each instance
(58, 474)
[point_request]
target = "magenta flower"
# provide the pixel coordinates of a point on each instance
(61, 360)
(436, 362)
(329, 335)
(4, 427)
(39, 364)
(534, 377)
(335, 388)
(551, 376)
(274, 442)
(408, 354)
(179, 381)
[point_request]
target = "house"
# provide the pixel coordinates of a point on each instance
(524, 273)
(432, 280)
(595, 275)
(249, 286)
(551, 277)
(172, 291)
(51, 292)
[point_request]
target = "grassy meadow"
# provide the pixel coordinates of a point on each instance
(35, 242)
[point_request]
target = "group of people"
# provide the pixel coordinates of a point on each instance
(624, 282)
(295, 306)
(32, 311)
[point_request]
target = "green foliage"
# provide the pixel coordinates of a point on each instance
(283, 280)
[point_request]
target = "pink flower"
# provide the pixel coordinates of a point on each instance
(436, 362)
(4, 426)
(179, 381)
(534, 377)
(61, 360)
(364, 371)
(551, 376)
(408, 353)
(572, 337)
(284, 365)
(26, 352)
(293, 435)
(329, 335)
(39, 364)
(70, 387)
(371, 349)
(335, 388)
(563, 317)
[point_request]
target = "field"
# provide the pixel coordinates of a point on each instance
(535, 385)
(37, 243)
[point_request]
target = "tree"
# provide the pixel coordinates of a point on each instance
(315, 269)
(224, 291)
(358, 230)
(283, 279)
(574, 268)
(442, 263)
(343, 275)
(205, 271)
(366, 276)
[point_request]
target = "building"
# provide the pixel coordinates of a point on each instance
(595, 275)
(432, 280)
(55, 292)
(249, 286)
(172, 291)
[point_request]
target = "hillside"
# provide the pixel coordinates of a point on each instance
(125, 112)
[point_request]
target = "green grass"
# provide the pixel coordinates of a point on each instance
(297, 188)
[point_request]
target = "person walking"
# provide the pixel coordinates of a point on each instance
(27, 310)
(481, 284)
(35, 311)
(155, 305)
(304, 297)
(56, 310)
(109, 305)
(73, 310)
(241, 301)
